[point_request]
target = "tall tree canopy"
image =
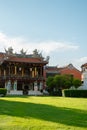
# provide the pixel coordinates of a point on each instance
(62, 82)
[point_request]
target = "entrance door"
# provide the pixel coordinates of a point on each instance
(25, 91)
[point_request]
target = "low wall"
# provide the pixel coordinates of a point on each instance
(30, 92)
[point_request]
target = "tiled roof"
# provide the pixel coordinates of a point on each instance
(26, 60)
(21, 59)
(51, 68)
(69, 69)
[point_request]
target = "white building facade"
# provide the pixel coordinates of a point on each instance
(84, 77)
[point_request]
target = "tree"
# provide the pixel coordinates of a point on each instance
(77, 83)
(50, 83)
(54, 85)
(58, 80)
(68, 81)
(63, 81)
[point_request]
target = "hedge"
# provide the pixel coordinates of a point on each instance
(75, 93)
(56, 93)
(3, 91)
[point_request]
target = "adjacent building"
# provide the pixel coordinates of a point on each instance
(51, 71)
(69, 69)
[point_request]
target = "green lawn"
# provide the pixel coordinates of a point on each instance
(43, 113)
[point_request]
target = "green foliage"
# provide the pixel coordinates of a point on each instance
(56, 93)
(3, 91)
(75, 93)
(63, 82)
(68, 81)
(76, 83)
(60, 81)
(50, 81)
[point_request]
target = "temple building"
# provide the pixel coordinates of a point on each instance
(21, 73)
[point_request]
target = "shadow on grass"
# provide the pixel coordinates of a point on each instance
(61, 115)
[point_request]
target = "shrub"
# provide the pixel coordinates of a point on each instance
(56, 93)
(75, 93)
(3, 91)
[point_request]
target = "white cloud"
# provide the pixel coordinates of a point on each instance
(51, 46)
(17, 43)
(81, 60)
(78, 62)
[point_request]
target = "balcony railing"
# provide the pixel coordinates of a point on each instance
(18, 77)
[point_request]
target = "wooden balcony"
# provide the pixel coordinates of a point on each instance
(20, 77)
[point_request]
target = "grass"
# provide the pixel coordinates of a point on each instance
(43, 113)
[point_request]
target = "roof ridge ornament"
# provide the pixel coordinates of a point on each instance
(23, 53)
(9, 51)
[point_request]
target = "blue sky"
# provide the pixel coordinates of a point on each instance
(57, 28)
